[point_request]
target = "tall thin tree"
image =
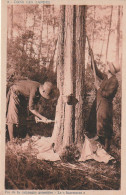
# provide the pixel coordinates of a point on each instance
(41, 31)
(93, 26)
(109, 32)
(33, 27)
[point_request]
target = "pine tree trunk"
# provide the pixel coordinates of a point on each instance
(41, 30)
(109, 33)
(53, 11)
(53, 61)
(33, 32)
(80, 69)
(59, 118)
(93, 27)
(25, 24)
(70, 77)
(68, 74)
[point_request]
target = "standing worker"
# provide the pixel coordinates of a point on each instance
(103, 103)
(17, 102)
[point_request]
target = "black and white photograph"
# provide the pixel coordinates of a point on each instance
(63, 117)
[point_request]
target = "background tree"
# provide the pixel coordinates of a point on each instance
(109, 31)
(41, 31)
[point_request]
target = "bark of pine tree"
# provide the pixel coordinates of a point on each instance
(110, 22)
(70, 77)
(59, 118)
(53, 10)
(53, 61)
(25, 27)
(41, 31)
(93, 27)
(34, 18)
(80, 72)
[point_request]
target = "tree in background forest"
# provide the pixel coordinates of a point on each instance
(29, 52)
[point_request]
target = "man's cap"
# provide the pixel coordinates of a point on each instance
(113, 69)
(46, 89)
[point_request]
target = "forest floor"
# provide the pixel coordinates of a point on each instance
(24, 171)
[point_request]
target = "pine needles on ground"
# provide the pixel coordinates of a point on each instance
(24, 171)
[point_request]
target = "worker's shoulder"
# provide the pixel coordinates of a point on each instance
(113, 81)
(28, 82)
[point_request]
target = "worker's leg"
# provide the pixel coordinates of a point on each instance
(11, 130)
(12, 112)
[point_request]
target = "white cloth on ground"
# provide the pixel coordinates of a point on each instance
(93, 150)
(44, 148)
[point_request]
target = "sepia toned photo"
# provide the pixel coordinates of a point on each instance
(63, 97)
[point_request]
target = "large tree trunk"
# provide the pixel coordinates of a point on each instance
(68, 74)
(59, 119)
(70, 77)
(80, 70)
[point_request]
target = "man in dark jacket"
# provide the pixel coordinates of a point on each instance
(17, 102)
(102, 109)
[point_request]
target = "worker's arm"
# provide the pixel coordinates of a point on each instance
(42, 118)
(111, 88)
(36, 113)
(33, 110)
(98, 72)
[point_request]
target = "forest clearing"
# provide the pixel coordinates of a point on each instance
(52, 43)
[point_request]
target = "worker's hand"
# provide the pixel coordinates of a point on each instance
(43, 120)
(50, 121)
(37, 120)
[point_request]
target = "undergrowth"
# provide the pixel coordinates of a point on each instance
(24, 171)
